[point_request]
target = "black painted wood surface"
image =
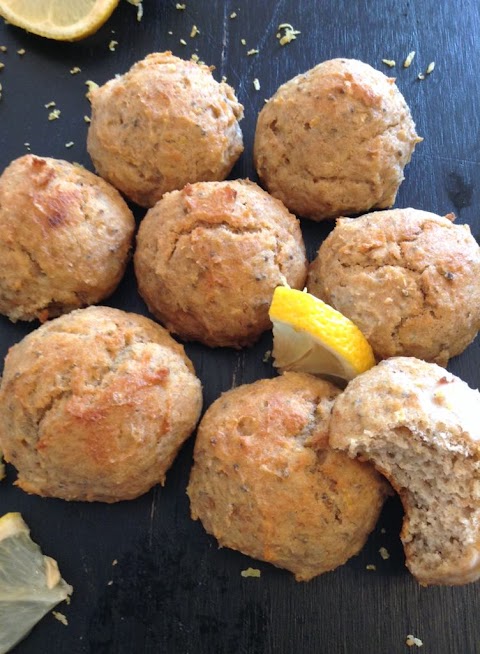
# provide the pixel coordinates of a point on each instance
(173, 591)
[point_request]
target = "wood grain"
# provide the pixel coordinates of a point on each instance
(173, 591)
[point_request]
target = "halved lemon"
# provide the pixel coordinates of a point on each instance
(311, 336)
(30, 583)
(63, 20)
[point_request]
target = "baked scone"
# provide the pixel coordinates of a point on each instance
(65, 236)
(164, 123)
(335, 140)
(94, 406)
(409, 279)
(209, 257)
(265, 481)
(419, 425)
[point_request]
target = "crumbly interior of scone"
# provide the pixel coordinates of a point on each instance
(440, 493)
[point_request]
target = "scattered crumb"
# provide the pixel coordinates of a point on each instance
(251, 52)
(114, 562)
(233, 14)
(256, 84)
(409, 59)
(266, 356)
(183, 42)
(139, 6)
(91, 86)
(180, 6)
(112, 45)
(430, 68)
(224, 78)
(2, 65)
(371, 566)
(49, 105)
(21, 52)
(251, 572)
(54, 115)
(75, 70)
(243, 42)
(194, 31)
(384, 553)
(420, 76)
(170, 32)
(60, 617)
(383, 530)
(27, 145)
(110, 583)
(87, 119)
(3, 48)
(389, 62)
(195, 58)
(0, 91)
(286, 33)
(411, 640)
(70, 144)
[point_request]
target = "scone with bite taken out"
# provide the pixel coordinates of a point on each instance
(419, 425)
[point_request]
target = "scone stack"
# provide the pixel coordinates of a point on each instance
(95, 404)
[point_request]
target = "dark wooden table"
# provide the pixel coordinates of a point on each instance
(172, 590)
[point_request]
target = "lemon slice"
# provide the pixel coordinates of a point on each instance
(30, 583)
(63, 20)
(311, 336)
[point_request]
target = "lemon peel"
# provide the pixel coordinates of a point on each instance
(62, 20)
(30, 583)
(311, 336)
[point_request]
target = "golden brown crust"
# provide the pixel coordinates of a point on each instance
(165, 123)
(64, 238)
(95, 405)
(334, 140)
(266, 483)
(409, 279)
(209, 257)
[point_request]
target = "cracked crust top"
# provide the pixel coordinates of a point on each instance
(94, 405)
(164, 123)
(409, 279)
(335, 140)
(64, 238)
(209, 257)
(265, 481)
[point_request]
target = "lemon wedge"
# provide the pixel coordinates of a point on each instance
(311, 336)
(63, 20)
(30, 583)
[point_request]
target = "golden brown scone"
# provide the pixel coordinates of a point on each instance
(335, 140)
(209, 257)
(94, 406)
(419, 425)
(265, 481)
(64, 238)
(409, 279)
(164, 123)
